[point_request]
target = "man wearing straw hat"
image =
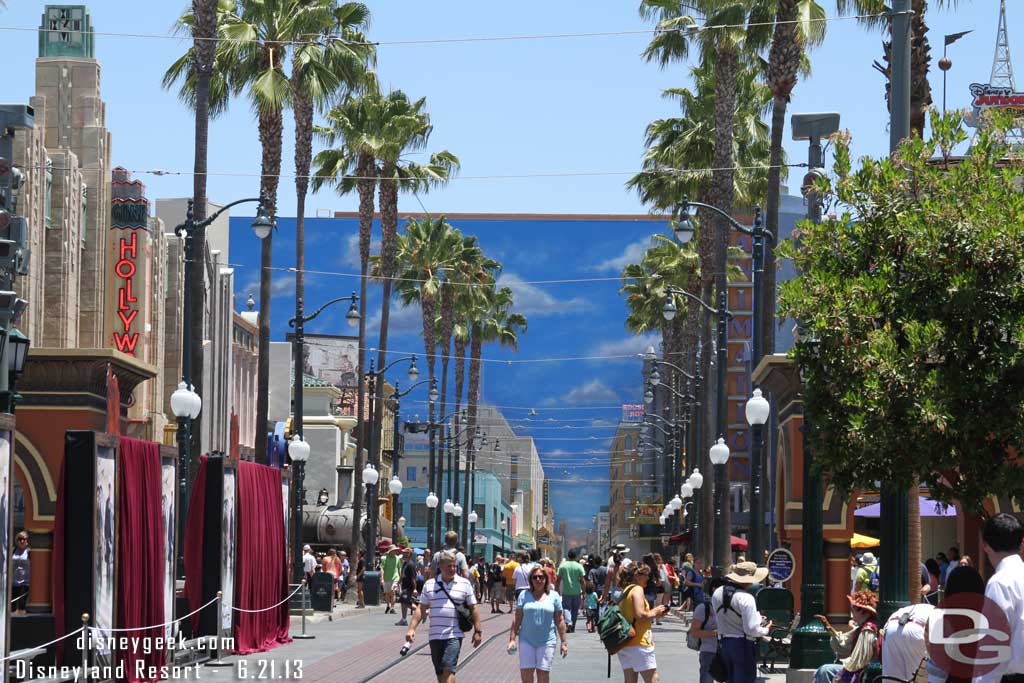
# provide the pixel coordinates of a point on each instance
(740, 625)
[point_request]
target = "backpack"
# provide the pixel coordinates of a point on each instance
(693, 642)
(727, 592)
(614, 629)
(873, 580)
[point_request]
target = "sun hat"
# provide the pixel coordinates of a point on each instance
(621, 548)
(865, 600)
(306, 547)
(747, 573)
(868, 559)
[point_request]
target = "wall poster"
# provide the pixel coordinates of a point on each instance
(103, 540)
(168, 494)
(227, 556)
(331, 358)
(5, 535)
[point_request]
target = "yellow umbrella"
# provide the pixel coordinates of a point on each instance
(862, 541)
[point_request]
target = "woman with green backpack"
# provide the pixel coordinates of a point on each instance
(637, 654)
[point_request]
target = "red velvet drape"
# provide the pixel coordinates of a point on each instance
(194, 543)
(140, 550)
(57, 564)
(262, 575)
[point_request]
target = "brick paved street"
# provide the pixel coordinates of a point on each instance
(354, 648)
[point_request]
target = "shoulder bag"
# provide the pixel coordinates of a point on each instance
(462, 612)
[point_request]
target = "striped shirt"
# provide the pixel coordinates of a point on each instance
(444, 624)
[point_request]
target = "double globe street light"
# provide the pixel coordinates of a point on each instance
(186, 405)
(757, 412)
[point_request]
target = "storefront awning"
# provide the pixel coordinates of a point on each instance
(929, 508)
(862, 541)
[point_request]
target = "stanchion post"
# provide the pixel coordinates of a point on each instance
(217, 661)
(85, 646)
(305, 603)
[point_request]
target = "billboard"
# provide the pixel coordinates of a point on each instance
(633, 412)
(331, 358)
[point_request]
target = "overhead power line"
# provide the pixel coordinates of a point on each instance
(319, 40)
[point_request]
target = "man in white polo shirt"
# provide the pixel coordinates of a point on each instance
(1003, 540)
(439, 599)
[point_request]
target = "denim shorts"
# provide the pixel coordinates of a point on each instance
(445, 654)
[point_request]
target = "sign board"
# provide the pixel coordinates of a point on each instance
(633, 412)
(985, 96)
(781, 565)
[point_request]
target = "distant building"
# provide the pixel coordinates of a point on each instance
(627, 483)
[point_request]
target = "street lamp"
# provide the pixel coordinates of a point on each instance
(719, 457)
(375, 385)
(395, 487)
(370, 475)
(686, 490)
(669, 309)
(457, 511)
(676, 503)
(298, 451)
(185, 405)
(504, 526)
(648, 396)
(757, 412)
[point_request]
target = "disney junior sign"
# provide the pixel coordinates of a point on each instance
(968, 636)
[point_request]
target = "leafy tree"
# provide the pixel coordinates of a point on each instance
(915, 297)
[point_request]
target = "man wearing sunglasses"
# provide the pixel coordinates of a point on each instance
(440, 597)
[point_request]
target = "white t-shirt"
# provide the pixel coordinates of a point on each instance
(308, 563)
(625, 562)
(1006, 589)
(521, 575)
(444, 624)
(903, 647)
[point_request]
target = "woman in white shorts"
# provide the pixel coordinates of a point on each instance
(637, 656)
(538, 625)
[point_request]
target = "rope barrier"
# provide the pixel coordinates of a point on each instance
(146, 628)
(45, 645)
(267, 609)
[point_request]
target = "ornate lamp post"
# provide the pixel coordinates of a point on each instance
(757, 411)
(186, 405)
(719, 457)
(298, 451)
(431, 502)
(504, 526)
(395, 487)
(696, 481)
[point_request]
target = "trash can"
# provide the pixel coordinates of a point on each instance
(371, 588)
(321, 592)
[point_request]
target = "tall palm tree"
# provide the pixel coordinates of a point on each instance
(798, 25)
(495, 321)
(205, 92)
(477, 273)
(324, 68)
(255, 36)
(424, 251)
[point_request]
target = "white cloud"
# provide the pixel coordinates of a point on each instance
(632, 254)
(402, 320)
(350, 256)
(532, 300)
(627, 346)
(594, 391)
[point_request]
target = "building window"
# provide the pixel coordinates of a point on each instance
(629, 443)
(410, 474)
(628, 492)
(48, 198)
(418, 512)
(629, 468)
(481, 513)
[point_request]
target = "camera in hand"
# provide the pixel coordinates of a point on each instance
(405, 649)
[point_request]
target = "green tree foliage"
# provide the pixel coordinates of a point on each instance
(914, 297)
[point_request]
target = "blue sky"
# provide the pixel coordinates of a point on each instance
(505, 108)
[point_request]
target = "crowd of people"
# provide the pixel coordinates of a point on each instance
(547, 601)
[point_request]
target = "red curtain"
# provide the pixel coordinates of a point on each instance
(140, 583)
(262, 574)
(57, 564)
(194, 544)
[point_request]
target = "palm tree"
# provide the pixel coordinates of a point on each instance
(477, 274)
(426, 248)
(334, 61)
(493, 321)
(201, 23)
(798, 25)
(350, 163)
(255, 37)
